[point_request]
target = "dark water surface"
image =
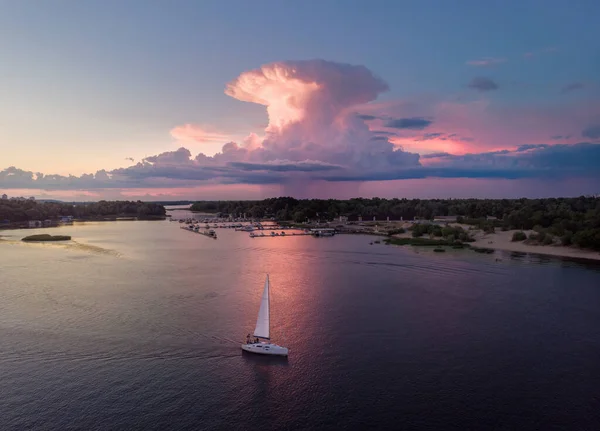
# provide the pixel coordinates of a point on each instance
(138, 324)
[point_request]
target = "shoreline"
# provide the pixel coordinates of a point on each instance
(13, 226)
(502, 241)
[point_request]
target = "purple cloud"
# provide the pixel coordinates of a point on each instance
(592, 132)
(572, 87)
(174, 169)
(414, 123)
(482, 83)
(286, 166)
(532, 160)
(315, 134)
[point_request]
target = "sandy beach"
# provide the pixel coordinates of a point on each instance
(503, 241)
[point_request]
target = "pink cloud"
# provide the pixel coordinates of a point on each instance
(195, 133)
(309, 107)
(313, 91)
(479, 125)
(327, 133)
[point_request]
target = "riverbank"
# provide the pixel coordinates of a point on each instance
(502, 240)
(57, 223)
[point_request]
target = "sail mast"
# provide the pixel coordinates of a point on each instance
(269, 305)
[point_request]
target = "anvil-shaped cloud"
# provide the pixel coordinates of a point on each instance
(308, 105)
(322, 125)
(312, 129)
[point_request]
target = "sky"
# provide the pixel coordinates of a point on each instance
(314, 99)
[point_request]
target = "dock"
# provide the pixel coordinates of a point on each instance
(203, 232)
(258, 232)
(278, 235)
(313, 232)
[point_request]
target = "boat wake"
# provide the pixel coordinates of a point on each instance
(94, 249)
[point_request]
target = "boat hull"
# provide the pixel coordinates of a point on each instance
(265, 349)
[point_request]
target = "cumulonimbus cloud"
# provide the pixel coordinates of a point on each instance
(313, 133)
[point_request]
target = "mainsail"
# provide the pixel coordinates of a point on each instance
(262, 323)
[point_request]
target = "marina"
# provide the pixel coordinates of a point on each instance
(259, 232)
(278, 234)
(297, 232)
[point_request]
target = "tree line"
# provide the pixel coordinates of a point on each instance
(24, 210)
(573, 220)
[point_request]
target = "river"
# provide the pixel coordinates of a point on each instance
(138, 325)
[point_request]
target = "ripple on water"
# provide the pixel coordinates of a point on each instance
(66, 245)
(378, 335)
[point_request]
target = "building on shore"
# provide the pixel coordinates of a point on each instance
(444, 219)
(35, 223)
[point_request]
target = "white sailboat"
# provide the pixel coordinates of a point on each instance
(261, 343)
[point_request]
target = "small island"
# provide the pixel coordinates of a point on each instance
(46, 237)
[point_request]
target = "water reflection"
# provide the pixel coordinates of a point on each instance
(377, 334)
(260, 361)
(517, 255)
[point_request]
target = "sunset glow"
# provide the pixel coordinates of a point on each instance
(262, 124)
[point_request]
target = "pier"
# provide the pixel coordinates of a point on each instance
(259, 232)
(211, 233)
(277, 235)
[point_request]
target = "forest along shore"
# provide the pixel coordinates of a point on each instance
(20, 213)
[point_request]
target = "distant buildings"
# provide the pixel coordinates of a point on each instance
(4, 197)
(33, 224)
(445, 219)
